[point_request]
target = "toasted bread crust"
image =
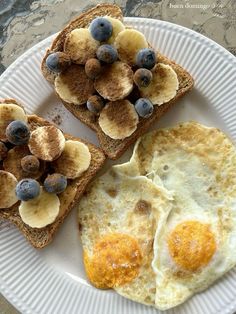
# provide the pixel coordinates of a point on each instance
(39, 238)
(115, 148)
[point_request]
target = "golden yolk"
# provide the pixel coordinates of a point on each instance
(192, 245)
(116, 260)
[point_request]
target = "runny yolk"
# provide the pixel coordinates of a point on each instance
(115, 261)
(192, 245)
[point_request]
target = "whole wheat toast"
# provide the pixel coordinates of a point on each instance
(114, 148)
(75, 188)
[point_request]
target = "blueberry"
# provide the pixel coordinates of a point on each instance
(146, 58)
(101, 29)
(57, 62)
(17, 132)
(144, 107)
(55, 183)
(3, 151)
(142, 77)
(107, 53)
(95, 104)
(27, 189)
(30, 164)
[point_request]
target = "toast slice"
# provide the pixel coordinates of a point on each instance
(114, 148)
(75, 188)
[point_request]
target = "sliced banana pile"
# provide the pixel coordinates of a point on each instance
(128, 43)
(8, 184)
(74, 160)
(73, 85)
(40, 211)
(46, 143)
(163, 86)
(117, 27)
(79, 41)
(9, 113)
(116, 82)
(118, 119)
(36, 166)
(108, 61)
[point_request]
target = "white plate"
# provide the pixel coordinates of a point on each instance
(52, 280)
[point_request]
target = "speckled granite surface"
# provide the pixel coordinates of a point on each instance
(24, 23)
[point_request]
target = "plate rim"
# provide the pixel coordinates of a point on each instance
(15, 63)
(8, 292)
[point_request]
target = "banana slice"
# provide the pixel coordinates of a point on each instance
(12, 163)
(116, 81)
(73, 85)
(47, 143)
(74, 160)
(9, 113)
(128, 43)
(118, 119)
(40, 211)
(164, 85)
(117, 27)
(80, 45)
(8, 184)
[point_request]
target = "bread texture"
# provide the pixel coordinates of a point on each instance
(39, 238)
(114, 148)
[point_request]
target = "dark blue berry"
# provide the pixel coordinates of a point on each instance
(27, 189)
(144, 107)
(101, 29)
(17, 132)
(52, 62)
(55, 183)
(107, 53)
(146, 58)
(95, 104)
(30, 164)
(58, 62)
(142, 77)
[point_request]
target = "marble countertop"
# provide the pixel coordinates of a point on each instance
(24, 23)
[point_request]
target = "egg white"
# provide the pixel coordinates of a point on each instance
(109, 206)
(197, 165)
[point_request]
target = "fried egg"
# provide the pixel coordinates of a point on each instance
(118, 218)
(197, 243)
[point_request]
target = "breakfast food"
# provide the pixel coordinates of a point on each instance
(46, 143)
(44, 172)
(114, 124)
(41, 210)
(15, 163)
(55, 183)
(116, 81)
(193, 248)
(163, 85)
(8, 184)
(30, 164)
(27, 189)
(17, 132)
(8, 113)
(73, 85)
(118, 218)
(74, 160)
(128, 44)
(193, 243)
(78, 41)
(115, 63)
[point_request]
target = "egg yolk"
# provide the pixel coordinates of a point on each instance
(192, 245)
(115, 261)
